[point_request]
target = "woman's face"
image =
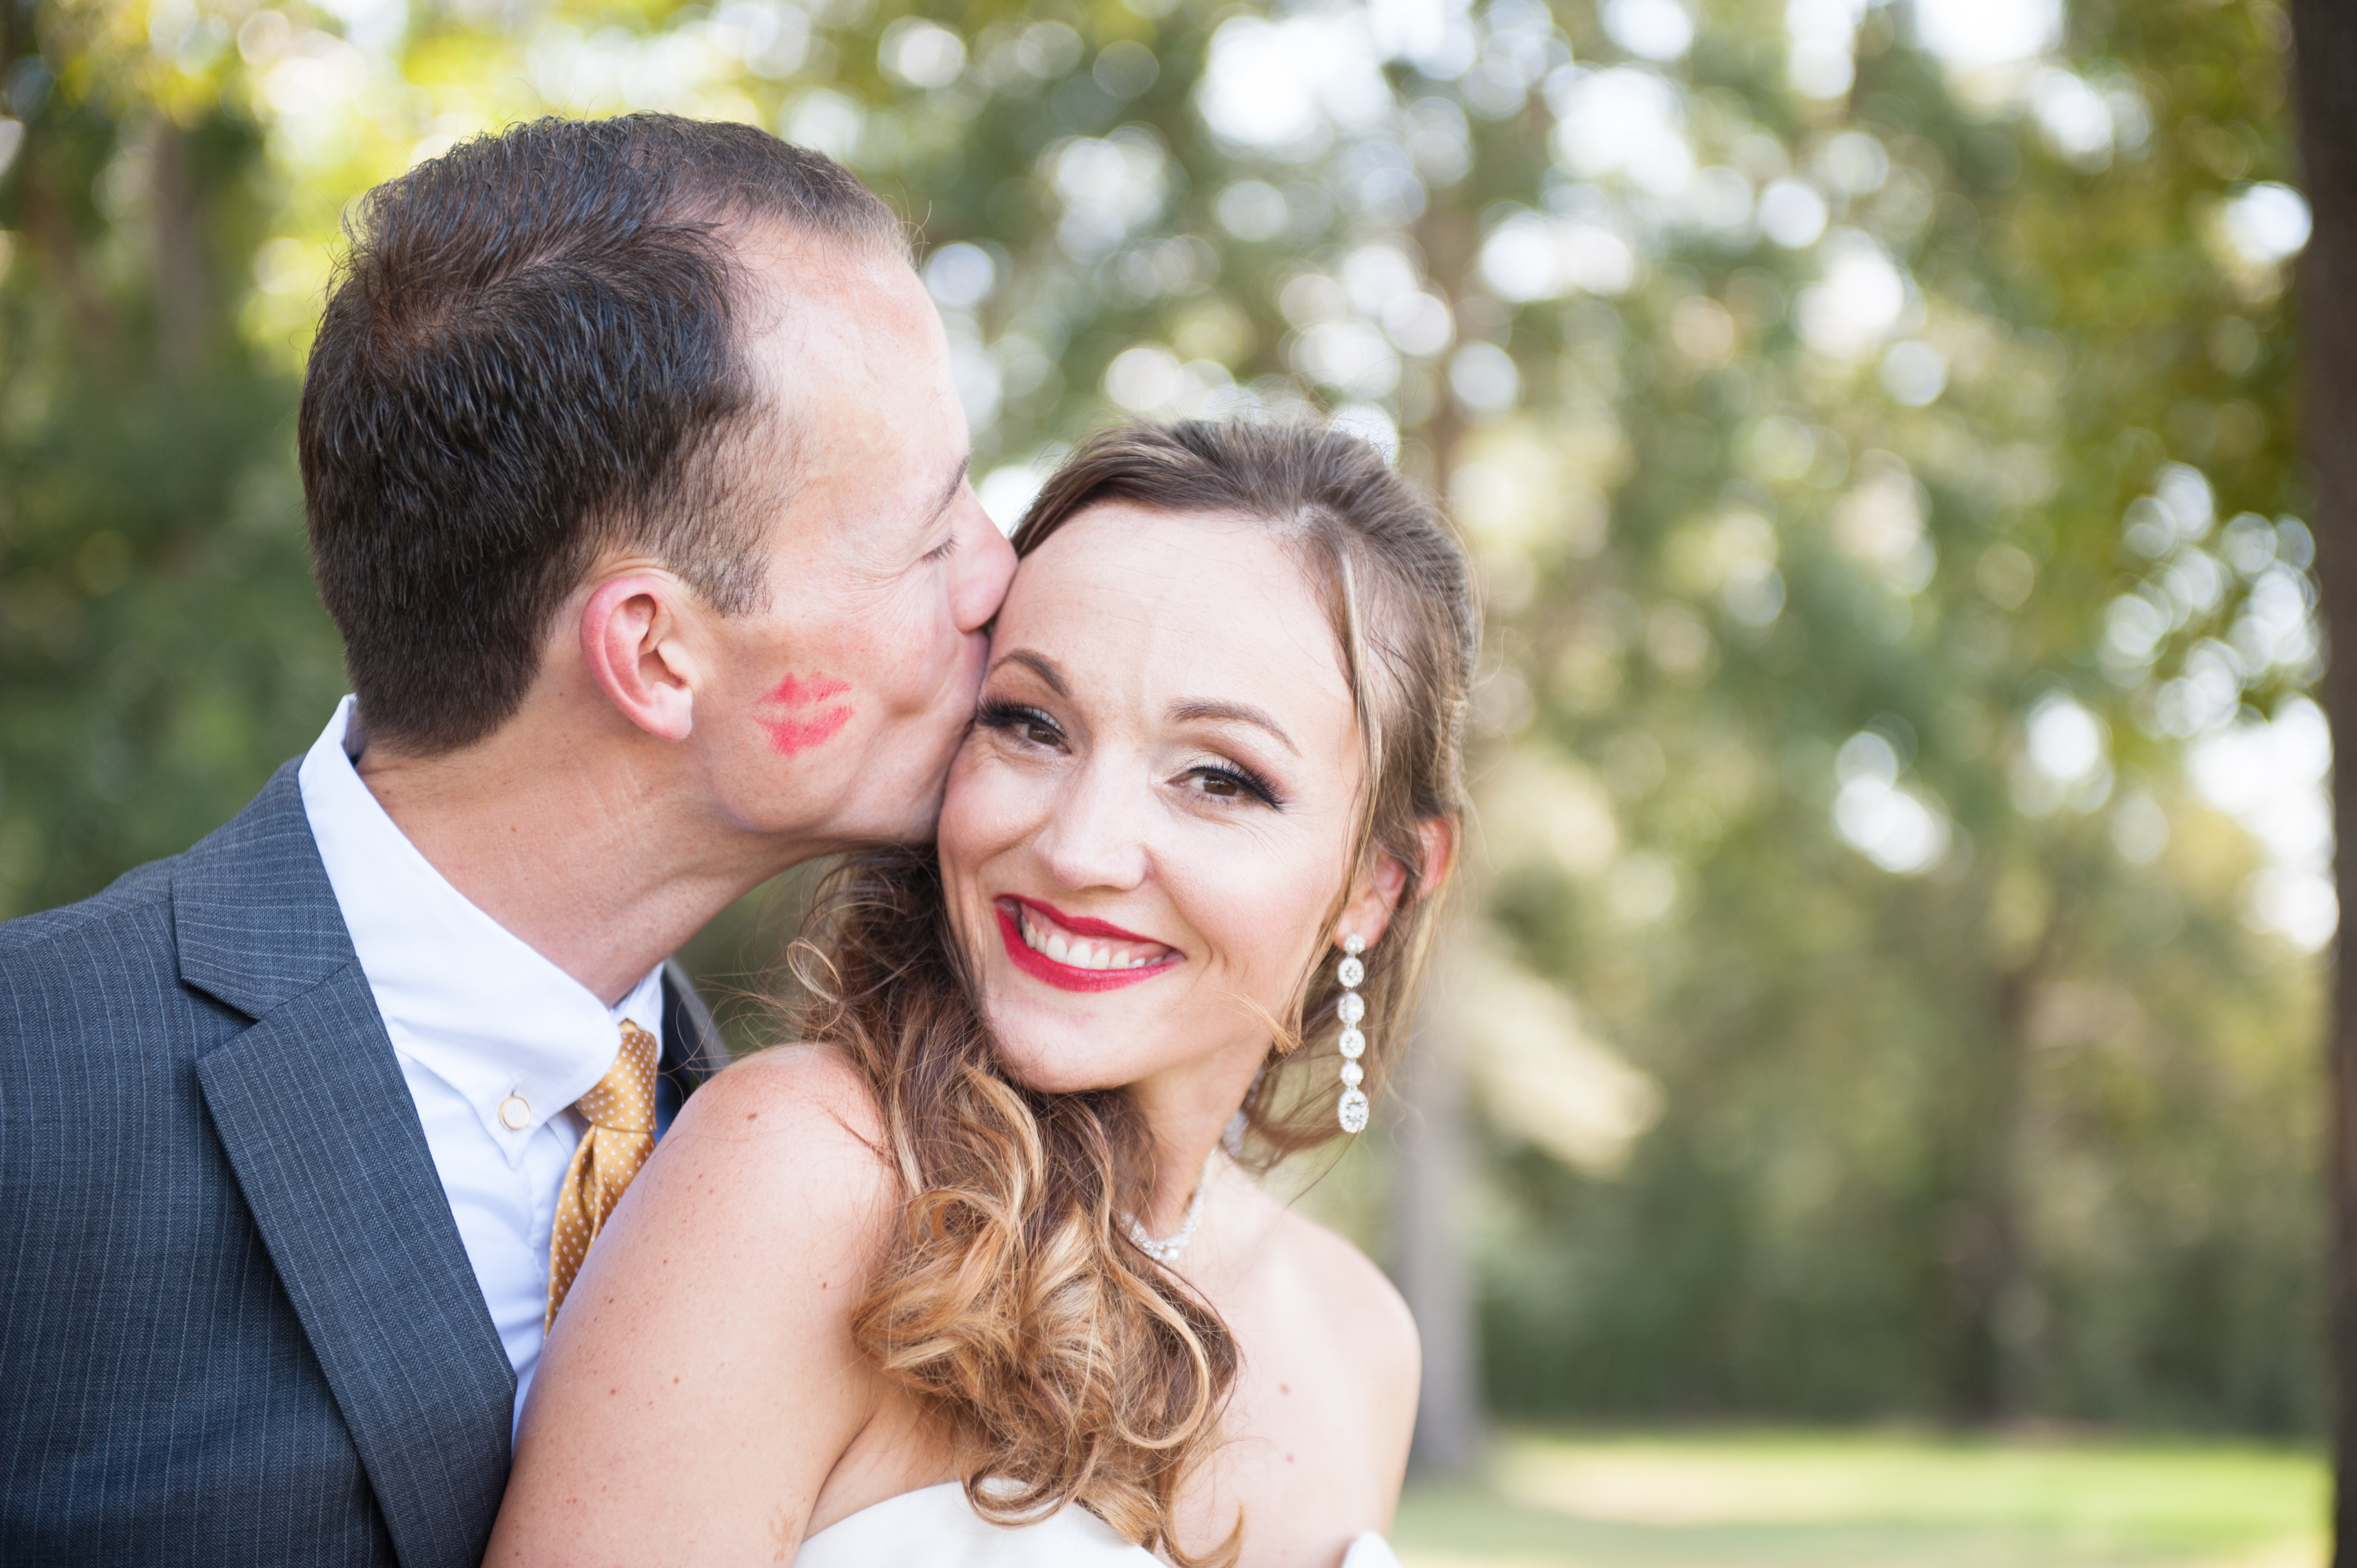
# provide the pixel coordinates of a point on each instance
(1149, 825)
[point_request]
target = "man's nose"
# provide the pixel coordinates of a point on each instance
(988, 565)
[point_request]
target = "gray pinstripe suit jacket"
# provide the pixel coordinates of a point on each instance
(236, 1322)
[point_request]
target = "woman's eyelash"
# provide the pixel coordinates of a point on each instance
(1005, 716)
(1245, 778)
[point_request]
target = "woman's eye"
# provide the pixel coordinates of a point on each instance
(1027, 725)
(1236, 784)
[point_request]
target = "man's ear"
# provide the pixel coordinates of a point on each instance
(1375, 896)
(631, 641)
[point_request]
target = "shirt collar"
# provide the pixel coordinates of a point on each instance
(461, 995)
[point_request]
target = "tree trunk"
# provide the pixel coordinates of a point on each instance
(2324, 33)
(1989, 1380)
(1429, 1258)
(184, 292)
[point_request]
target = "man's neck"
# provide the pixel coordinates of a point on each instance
(601, 858)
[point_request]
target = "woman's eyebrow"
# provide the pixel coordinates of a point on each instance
(1233, 713)
(1039, 665)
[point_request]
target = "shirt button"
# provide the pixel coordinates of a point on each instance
(515, 1111)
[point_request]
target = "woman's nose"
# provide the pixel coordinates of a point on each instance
(1095, 836)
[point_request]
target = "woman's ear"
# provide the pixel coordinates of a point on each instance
(631, 644)
(1375, 896)
(1438, 838)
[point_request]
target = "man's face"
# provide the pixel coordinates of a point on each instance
(835, 709)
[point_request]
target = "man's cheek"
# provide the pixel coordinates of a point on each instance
(912, 664)
(803, 712)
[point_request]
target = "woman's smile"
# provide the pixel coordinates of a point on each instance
(1074, 953)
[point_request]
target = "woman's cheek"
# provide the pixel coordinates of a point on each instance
(986, 807)
(1252, 894)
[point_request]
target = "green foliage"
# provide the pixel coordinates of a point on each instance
(1880, 467)
(160, 645)
(1918, 1122)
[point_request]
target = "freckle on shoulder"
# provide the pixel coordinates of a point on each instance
(788, 1114)
(790, 1085)
(792, 1135)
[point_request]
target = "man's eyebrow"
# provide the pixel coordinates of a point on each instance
(1234, 712)
(1039, 665)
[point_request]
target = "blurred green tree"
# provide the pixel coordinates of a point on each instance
(1887, 983)
(160, 644)
(1914, 573)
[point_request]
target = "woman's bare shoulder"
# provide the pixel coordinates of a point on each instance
(1354, 1302)
(797, 1123)
(717, 1299)
(796, 1082)
(787, 1098)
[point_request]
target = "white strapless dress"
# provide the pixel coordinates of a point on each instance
(936, 1528)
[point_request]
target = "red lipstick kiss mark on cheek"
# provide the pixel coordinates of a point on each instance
(798, 731)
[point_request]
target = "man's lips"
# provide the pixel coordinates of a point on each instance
(1075, 953)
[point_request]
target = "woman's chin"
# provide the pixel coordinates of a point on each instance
(1047, 1056)
(1049, 1075)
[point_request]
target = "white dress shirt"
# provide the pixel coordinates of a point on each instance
(477, 1019)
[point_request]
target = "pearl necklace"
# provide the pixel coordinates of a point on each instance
(1166, 1250)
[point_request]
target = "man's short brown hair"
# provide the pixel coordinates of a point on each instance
(534, 352)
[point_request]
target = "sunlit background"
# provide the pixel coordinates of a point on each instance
(1869, 1112)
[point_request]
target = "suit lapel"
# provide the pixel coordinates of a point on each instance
(320, 1129)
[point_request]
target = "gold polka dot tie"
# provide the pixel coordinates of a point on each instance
(621, 1116)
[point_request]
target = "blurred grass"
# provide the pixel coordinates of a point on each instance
(1870, 1500)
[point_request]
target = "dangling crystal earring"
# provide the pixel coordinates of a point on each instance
(1351, 1009)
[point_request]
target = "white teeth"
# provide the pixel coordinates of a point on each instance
(1077, 953)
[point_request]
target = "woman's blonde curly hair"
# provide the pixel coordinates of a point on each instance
(1072, 1368)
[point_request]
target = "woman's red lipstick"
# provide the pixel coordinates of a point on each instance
(1067, 976)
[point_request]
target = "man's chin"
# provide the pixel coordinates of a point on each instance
(914, 826)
